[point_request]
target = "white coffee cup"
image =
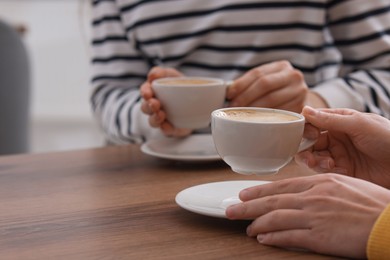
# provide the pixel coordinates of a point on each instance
(257, 140)
(189, 101)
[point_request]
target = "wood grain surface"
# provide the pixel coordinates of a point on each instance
(117, 203)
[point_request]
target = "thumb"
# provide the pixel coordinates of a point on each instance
(341, 120)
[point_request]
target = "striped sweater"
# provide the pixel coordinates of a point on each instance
(342, 47)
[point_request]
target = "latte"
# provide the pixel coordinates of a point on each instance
(257, 140)
(249, 115)
(186, 82)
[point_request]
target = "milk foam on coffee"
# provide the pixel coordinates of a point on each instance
(248, 115)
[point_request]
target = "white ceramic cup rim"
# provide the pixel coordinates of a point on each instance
(272, 110)
(215, 82)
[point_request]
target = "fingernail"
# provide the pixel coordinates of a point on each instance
(231, 211)
(325, 164)
(260, 238)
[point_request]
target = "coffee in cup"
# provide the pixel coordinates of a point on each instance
(189, 101)
(257, 140)
(186, 81)
(250, 115)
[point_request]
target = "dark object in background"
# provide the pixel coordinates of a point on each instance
(14, 92)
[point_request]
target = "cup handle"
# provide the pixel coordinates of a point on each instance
(228, 83)
(306, 143)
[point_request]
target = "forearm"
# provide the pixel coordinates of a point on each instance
(118, 112)
(118, 70)
(359, 31)
(365, 91)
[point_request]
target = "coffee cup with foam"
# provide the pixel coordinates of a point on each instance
(257, 140)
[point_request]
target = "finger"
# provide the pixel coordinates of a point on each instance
(169, 130)
(251, 210)
(156, 119)
(146, 108)
(151, 106)
(181, 132)
(279, 220)
(238, 86)
(284, 98)
(319, 161)
(322, 138)
(295, 104)
(251, 76)
(338, 111)
(305, 159)
(311, 132)
(154, 105)
(298, 238)
(292, 185)
(160, 72)
(146, 91)
(343, 120)
(261, 87)
(322, 164)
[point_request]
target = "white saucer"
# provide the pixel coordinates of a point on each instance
(198, 147)
(212, 199)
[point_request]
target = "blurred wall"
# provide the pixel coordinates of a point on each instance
(57, 38)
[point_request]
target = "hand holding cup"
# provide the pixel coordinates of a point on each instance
(152, 106)
(189, 101)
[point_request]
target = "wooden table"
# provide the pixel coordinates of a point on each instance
(117, 203)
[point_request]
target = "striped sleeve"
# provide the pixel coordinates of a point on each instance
(341, 46)
(361, 32)
(118, 71)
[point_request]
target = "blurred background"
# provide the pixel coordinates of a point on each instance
(56, 35)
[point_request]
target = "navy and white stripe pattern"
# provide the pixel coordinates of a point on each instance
(341, 46)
